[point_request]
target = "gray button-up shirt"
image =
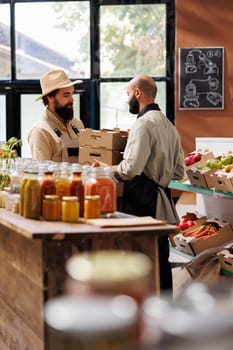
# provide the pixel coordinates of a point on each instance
(154, 147)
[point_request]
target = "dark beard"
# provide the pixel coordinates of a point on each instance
(134, 105)
(66, 113)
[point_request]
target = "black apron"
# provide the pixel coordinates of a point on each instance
(140, 198)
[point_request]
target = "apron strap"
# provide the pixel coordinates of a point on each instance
(57, 132)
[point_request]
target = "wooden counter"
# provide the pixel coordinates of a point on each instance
(32, 258)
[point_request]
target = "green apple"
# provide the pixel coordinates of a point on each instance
(227, 159)
(214, 164)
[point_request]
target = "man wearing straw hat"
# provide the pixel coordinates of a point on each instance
(56, 136)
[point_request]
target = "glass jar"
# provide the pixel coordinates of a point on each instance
(30, 197)
(92, 207)
(47, 185)
(109, 272)
(16, 173)
(62, 181)
(77, 186)
(51, 207)
(70, 209)
(100, 182)
(95, 323)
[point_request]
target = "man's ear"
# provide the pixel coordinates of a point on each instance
(138, 92)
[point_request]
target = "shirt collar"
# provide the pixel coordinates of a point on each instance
(147, 108)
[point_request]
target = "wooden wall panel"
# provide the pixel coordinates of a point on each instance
(19, 252)
(21, 292)
(203, 23)
(15, 334)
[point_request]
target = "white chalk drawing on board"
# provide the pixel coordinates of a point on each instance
(201, 78)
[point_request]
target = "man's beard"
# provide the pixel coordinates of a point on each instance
(66, 112)
(133, 105)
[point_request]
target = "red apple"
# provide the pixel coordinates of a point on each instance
(197, 157)
(189, 160)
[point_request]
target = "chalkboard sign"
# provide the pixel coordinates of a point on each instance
(201, 78)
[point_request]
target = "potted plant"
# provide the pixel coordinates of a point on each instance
(8, 154)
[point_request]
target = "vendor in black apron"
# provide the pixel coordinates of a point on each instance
(153, 157)
(56, 136)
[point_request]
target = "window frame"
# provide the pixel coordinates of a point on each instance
(90, 94)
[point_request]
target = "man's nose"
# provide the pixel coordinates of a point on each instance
(71, 99)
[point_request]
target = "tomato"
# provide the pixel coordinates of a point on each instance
(183, 225)
(190, 223)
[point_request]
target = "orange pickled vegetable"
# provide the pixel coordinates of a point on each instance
(106, 189)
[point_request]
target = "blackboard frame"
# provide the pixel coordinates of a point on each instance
(201, 78)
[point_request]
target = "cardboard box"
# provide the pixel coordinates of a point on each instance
(222, 180)
(206, 154)
(88, 154)
(226, 261)
(200, 178)
(200, 220)
(109, 139)
(195, 246)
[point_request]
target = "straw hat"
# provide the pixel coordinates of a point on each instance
(56, 79)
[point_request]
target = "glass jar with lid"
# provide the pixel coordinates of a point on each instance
(92, 207)
(100, 182)
(30, 196)
(47, 184)
(94, 323)
(62, 180)
(77, 186)
(70, 209)
(109, 272)
(51, 207)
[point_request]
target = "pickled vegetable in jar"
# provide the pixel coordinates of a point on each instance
(47, 185)
(51, 207)
(77, 186)
(31, 196)
(92, 207)
(70, 209)
(100, 182)
(21, 191)
(62, 182)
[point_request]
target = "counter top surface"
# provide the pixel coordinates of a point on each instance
(57, 230)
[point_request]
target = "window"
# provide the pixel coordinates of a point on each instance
(32, 112)
(58, 38)
(2, 118)
(105, 43)
(132, 42)
(5, 48)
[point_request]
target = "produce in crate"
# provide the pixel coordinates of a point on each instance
(204, 231)
(192, 158)
(187, 220)
(221, 162)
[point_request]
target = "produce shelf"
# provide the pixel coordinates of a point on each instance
(185, 186)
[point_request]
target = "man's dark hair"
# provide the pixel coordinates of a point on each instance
(51, 94)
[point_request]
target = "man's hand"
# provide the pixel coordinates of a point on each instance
(97, 163)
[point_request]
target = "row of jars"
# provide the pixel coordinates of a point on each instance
(62, 191)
